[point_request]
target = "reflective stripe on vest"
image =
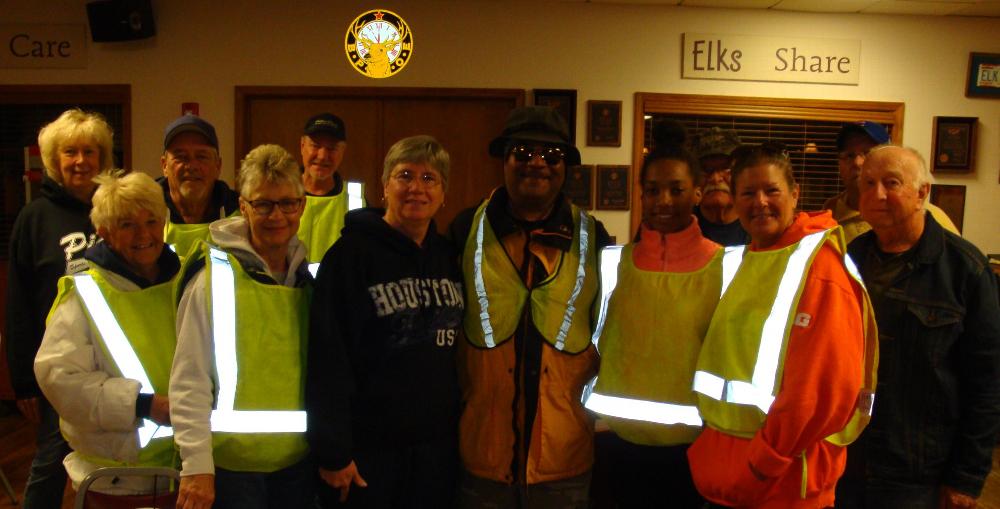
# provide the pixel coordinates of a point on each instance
(120, 349)
(224, 417)
(651, 411)
(355, 196)
(610, 257)
(567, 321)
(759, 391)
(731, 261)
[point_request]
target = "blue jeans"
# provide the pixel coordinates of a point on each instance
(293, 488)
(47, 476)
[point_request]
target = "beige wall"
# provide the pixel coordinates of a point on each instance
(204, 49)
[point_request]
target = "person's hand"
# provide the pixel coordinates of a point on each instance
(196, 492)
(29, 409)
(343, 478)
(950, 498)
(159, 411)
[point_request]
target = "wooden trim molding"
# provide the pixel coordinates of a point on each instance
(763, 107)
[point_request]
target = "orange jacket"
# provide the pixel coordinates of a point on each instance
(497, 383)
(822, 373)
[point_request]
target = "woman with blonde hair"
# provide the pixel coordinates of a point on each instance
(109, 342)
(47, 242)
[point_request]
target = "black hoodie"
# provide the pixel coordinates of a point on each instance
(385, 316)
(48, 240)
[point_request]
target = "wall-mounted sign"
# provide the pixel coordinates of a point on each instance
(43, 46)
(756, 58)
(378, 43)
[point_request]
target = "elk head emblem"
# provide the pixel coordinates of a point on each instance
(377, 51)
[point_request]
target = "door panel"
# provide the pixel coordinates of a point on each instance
(463, 120)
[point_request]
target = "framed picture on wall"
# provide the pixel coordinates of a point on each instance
(564, 102)
(612, 187)
(951, 199)
(604, 123)
(983, 79)
(579, 185)
(954, 144)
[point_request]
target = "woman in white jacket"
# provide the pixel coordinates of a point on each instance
(109, 340)
(237, 383)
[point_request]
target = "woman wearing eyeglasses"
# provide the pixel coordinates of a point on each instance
(237, 383)
(787, 369)
(382, 393)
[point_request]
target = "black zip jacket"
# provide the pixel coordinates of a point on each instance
(381, 367)
(49, 238)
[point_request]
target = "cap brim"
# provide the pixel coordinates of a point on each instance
(324, 130)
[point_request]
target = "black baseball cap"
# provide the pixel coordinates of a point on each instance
(326, 123)
(190, 124)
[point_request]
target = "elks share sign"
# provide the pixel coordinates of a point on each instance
(757, 58)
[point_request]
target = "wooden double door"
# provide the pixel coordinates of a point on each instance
(463, 120)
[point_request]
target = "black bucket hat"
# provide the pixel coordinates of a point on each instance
(535, 124)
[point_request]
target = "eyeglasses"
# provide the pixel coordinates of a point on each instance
(524, 153)
(427, 179)
(265, 207)
(766, 150)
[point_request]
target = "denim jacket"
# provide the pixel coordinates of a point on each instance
(937, 403)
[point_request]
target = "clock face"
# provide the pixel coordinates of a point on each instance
(379, 32)
(378, 43)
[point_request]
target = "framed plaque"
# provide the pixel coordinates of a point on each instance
(954, 144)
(983, 77)
(564, 102)
(604, 123)
(612, 187)
(579, 185)
(951, 199)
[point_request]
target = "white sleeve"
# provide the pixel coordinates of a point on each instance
(192, 381)
(72, 372)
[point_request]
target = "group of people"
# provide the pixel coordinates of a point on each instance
(736, 353)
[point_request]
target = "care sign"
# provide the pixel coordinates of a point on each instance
(43, 46)
(754, 58)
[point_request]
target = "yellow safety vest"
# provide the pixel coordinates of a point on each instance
(259, 334)
(135, 331)
(182, 237)
(323, 218)
(495, 295)
(649, 341)
(742, 359)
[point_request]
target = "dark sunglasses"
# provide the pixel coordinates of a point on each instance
(768, 149)
(523, 153)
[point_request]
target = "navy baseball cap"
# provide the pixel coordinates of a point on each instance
(326, 123)
(190, 124)
(873, 130)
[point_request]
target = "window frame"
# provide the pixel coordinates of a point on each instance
(744, 106)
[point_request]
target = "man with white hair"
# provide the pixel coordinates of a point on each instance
(937, 404)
